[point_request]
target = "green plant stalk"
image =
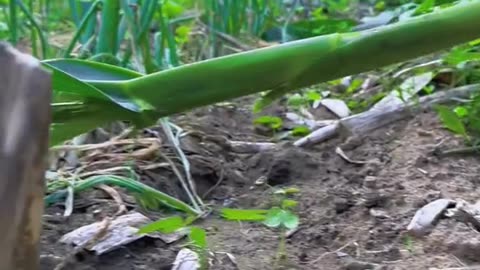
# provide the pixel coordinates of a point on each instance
(158, 49)
(282, 249)
(302, 63)
(148, 63)
(43, 41)
(211, 34)
(81, 27)
(73, 10)
(89, 31)
(122, 31)
(138, 24)
(47, 8)
(130, 185)
(13, 26)
(33, 36)
(147, 13)
(107, 39)
(169, 38)
(287, 21)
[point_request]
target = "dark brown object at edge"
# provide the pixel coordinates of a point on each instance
(25, 116)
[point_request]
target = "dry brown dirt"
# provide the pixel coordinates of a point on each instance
(351, 216)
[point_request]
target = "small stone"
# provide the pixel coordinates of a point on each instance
(341, 254)
(425, 133)
(373, 167)
(379, 213)
(341, 205)
(336, 106)
(375, 199)
(370, 182)
(261, 180)
(427, 216)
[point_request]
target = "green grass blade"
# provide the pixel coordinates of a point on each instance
(63, 82)
(148, 10)
(43, 41)
(122, 31)
(244, 214)
(95, 81)
(13, 25)
(33, 39)
(166, 225)
(81, 27)
(143, 191)
(107, 39)
(169, 37)
(74, 11)
(158, 49)
(89, 31)
(93, 71)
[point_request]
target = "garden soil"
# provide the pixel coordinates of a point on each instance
(351, 216)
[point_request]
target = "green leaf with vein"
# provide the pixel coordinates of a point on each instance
(278, 217)
(244, 214)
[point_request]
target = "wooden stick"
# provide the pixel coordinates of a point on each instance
(25, 96)
(393, 110)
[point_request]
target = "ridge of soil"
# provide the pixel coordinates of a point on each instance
(351, 216)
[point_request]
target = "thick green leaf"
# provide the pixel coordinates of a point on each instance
(244, 214)
(167, 225)
(88, 95)
(89, 79)
(198, 237)
(461, 111)
(92, 71)
(272, 122)
(450, 120)
(63, 82)
(301, 131)
(461, 55)
(274, 217)
(290, 220)
(277, 217)
(289, 66)
(317, 27)
(287, 204)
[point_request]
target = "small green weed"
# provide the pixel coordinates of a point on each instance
(280, 217)
(197, 236)
(452, 121)
(274, 123)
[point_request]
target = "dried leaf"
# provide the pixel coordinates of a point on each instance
(121, 231)
(186, 260)
(336, 106)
